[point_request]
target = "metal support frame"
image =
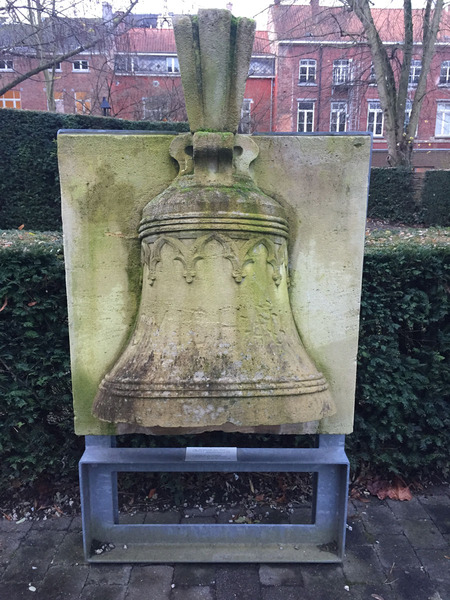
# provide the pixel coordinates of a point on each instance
(322, 541)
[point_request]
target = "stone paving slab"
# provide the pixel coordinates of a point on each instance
(395, 551)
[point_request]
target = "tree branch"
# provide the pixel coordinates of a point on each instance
(64, 56)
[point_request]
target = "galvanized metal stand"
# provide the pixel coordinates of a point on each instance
(322, 541)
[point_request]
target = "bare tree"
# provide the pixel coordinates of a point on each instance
(392, 77)
(40, 29)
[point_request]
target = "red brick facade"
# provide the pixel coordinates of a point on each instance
(310, 72)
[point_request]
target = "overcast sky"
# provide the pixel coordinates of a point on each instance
(241, 8)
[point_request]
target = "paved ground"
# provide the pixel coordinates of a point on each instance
(395, 551)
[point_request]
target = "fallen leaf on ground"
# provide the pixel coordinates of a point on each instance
(395, 490)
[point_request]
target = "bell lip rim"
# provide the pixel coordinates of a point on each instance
(314, 408)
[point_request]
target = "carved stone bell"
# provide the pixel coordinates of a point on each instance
(215, 345)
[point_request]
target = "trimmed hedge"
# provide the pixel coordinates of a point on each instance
(436, 198)
(391, 194)
(36, 430)
(403, 384)
(29, 186)
(402, 421)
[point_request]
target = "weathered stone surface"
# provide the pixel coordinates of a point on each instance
(110, 592)
(330, 240)
(423, 533)
(361, 565)
(150, 582)
(435, 561)
(380, 519)
(439, 513)
(214, 51)
(323, 582)
(28, 564)
(118, 575)
(62, 583)
(413, 584)
(14, 591)
(193, 593)
(215, 344)
(322, 181)
(194, 575)
(70, 550)
(390, 547)
(237, 582)
(280, 575)
(107, 180)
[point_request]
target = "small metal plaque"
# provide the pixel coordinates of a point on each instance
(219, 454)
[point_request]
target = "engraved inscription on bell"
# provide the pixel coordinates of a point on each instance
(215, 344)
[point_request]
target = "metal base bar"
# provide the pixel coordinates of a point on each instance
(323, 541)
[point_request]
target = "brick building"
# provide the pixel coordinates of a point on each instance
(325, 79)
(136, 69)
(310, 72)
(147, 81)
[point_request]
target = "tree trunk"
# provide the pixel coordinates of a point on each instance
(393, 95)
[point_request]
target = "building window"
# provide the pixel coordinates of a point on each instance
(341, 71)
(172, 65)
(145, 64)
(246, 119)
(57, 67)
(444, 79)
(443, 120)
(305, 118)
(155, 108)
(414, 72)
(261, 67)
(126, 64)
(375, 118)
(307, 71)
(372, 76)
(6, 65)
(11, 99)
(80, 65)
(82, 103)
(338, 117)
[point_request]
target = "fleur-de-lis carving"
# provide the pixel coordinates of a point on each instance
(152, 256)
(238, 256)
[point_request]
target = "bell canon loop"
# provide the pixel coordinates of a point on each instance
(215, 345)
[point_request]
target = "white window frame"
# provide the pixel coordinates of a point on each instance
(309, 66)
(339, 110)
(17, 101)
(342, 71)
(172, 64)
(444, 77)
(414, 73)
(374, 107)
(372, 76)
(442, 128)
(6, 64)
(83, 66)
(307, 107)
